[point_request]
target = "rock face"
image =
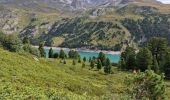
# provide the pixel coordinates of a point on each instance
(8, 21)
(72, 4)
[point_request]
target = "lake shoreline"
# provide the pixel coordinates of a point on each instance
(83, 50)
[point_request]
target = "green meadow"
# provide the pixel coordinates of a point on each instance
(25, 77)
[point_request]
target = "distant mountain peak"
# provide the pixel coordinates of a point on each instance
(74, 4)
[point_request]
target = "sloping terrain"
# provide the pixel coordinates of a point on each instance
(23, 76)
(108, 26)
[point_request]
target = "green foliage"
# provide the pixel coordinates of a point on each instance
(73, 54)
(102, 58)
(79, 60)
(12, 43)
(90, 59)
(99, 64)
(92, 64)
(149, 26)
(26, 40)
(51, 54)
(108, 66)
(144, 59)
(158, 47)
(56, 55)
(34, 51)
(62, 54)
(41, 49)
(155, 65)
(146, 86)
(65, 62)
(167, 65)
(74, 62)
(128, 59)
(84, 59)
(22, 76)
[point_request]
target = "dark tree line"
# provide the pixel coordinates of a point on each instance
(155, 56)
(150, 26)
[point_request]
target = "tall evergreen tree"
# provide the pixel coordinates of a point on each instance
(144, 59)
(102, 58)
(42, 50)
(90, 59)
(166, 68)
(158, 47)
(62, 54)
(84, 59)
(108, 66)
(79, 60)
(129, 57)
(99, 64)
(92, 64)
(51, 55)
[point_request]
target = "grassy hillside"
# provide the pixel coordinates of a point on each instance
(23, 77)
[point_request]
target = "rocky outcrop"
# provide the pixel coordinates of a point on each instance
(8, 21)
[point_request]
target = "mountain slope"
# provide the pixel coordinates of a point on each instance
(23, 76)
(98, 25)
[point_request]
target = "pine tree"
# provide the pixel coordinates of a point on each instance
(146, 86)
(79, 60)
(166, 68)
(102, 58)
(129, 57)
(56, 55)
(51, 55)
(41, 49)
(107, 68)
(144, 59)
(90, 59)
(92, 64)
(158, 47)
(62, 54)
(99, 64)
(84, 59)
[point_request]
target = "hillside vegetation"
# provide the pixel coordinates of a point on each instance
(22, 76)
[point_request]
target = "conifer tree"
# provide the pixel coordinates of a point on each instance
(56, 55)
(79, 60)
(90, 59)
(99, 64)
(102, 58)
(92, 64)
(144, 59)
(41, 49)
(62, 54)
(107, 68)
(84, 59)
(51, 55)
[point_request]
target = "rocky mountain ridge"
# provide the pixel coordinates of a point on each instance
(72, 4)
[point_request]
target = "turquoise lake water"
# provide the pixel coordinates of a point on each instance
(113, 58)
